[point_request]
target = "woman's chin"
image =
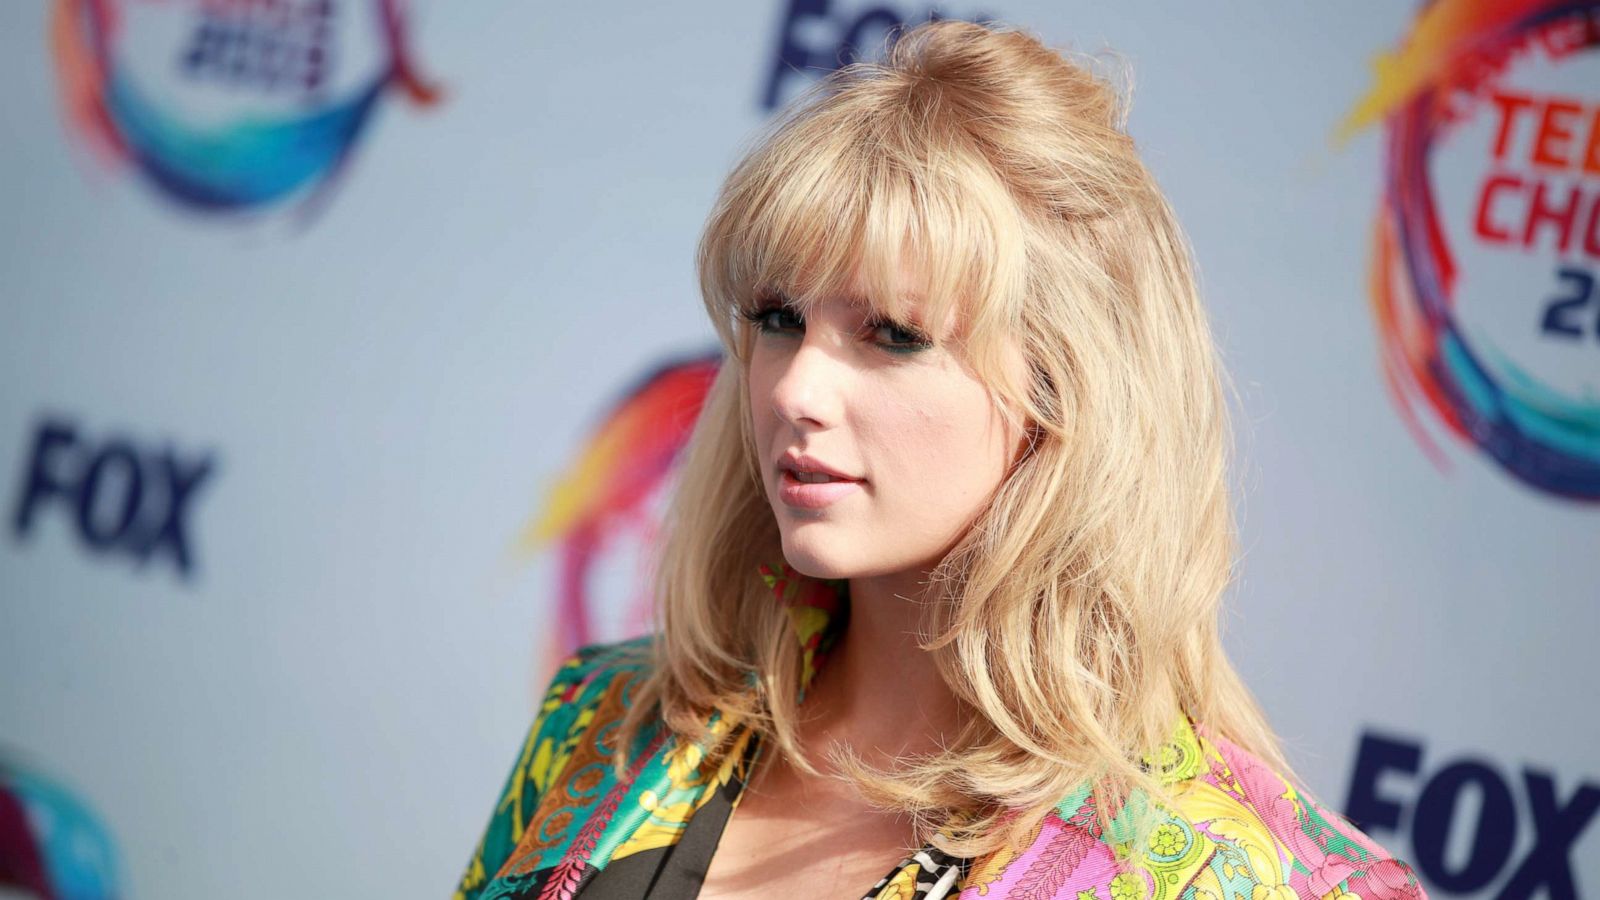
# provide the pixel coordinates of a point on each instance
(818, 559)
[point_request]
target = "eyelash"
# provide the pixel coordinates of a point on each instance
(758, 317)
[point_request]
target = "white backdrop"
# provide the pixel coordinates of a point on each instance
(383, 384)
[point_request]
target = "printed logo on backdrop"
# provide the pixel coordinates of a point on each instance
(120, 496)
(51, 843)
(231, 105)
(1486, 249)
(816, 37)
(602, 514)
(1463, 848)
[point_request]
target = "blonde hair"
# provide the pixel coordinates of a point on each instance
(1079, 614)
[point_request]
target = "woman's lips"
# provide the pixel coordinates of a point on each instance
(809, 495)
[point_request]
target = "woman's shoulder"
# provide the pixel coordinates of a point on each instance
(1288, 842)
(1235, 827)
(591, 687)
(589, 690)
(599, 666)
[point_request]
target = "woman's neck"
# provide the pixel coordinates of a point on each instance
(880, 693)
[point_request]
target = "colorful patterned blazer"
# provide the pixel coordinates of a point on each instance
(565, 825)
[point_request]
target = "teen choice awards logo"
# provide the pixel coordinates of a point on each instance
(230, 105)
(51, 843)
(1486, 251)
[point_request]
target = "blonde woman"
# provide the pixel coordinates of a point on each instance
(940, 579)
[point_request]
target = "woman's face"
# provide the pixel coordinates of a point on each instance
(915, 434)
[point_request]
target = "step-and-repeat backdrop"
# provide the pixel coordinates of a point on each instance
(347, 347)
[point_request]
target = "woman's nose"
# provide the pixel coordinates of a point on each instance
(809, 388)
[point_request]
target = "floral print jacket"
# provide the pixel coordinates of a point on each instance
(565, 825)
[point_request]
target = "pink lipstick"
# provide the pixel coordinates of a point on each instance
(809, 483)
(813, 495)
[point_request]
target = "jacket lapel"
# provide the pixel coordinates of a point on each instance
(650, 805)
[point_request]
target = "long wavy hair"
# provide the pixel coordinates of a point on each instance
(1080, 613)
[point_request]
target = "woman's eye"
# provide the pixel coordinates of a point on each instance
(899, 338)
(764, 319)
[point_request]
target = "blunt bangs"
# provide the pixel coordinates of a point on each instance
(861, 184)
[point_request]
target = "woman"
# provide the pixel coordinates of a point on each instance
(940, 581)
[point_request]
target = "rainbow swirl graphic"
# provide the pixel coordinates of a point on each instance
(605, 494)
(248, 162)
(1444, 72)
